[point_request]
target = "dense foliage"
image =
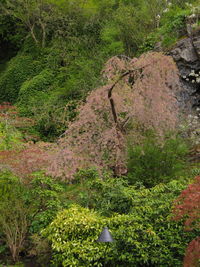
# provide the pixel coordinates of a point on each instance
(25, 209)
(152, 163)
(98, 135)
(139, 235)
(90, 137)
(63, 45)
(187, 208)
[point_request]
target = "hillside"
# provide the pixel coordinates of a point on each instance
(99, 126)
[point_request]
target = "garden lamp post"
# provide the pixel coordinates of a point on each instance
(105, 237)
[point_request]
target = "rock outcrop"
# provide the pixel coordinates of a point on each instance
(187, 56)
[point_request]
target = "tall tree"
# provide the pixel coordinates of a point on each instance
(136, 93)
(33, 14)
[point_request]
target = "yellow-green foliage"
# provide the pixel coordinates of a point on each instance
(146, 231)
(9, 136)
(73, 234)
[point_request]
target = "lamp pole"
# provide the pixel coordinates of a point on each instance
(105, 237)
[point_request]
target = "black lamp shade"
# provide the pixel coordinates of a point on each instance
(105, 236)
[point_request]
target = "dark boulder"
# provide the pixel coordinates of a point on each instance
(186, 53)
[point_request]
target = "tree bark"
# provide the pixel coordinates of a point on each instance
(43, 33)
(31, 27)
(112, 103)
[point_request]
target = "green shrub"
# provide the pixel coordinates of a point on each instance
(34, 92)
(26, 209)
(35, 99)
(129, 36)
(173, 26)
(13, 214)
(40, 250)
(10, 137)
(110, 36)
(149, 43)
(153, 163)
(107, 195)
(73, 234)
(157, 240)
(19, 69)
(80, 76)
(39, 82)
(195, 171)
(146, 236)
(46, 198)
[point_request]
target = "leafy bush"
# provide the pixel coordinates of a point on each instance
(26, 209)
(10, 137)
(149, 43)
(35, 100)
(107, 195)
(128, 36)
(19, 69)
(153, 163)
(39, 82)
(40, 250)
(112, 43)
(47, 196)
(13, 214)
(34, 91)
(173, 25)
(73, 234)
(145, 237)
(151, 209)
